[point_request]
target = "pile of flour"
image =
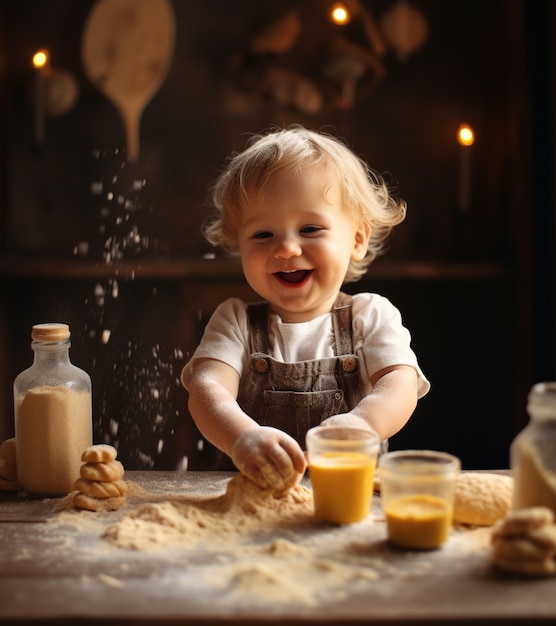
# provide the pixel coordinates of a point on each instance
(242, 510)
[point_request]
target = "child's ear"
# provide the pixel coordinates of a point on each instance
(361, 242)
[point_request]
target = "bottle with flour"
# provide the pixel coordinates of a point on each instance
(53, 415)
(533, 451)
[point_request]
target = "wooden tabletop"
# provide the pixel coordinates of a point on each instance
(56, 565)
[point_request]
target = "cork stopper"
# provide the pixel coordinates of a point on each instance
(50, 333)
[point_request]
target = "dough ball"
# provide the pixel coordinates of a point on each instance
(544, 567)
(482, 498)
(8, 470)
(7, 450)
(524, 542)
(99, 453)
(101, 489)
(8, 466)
(522, 521)
(90, 503)
(544, 536)
(516, 548)
(102, 471)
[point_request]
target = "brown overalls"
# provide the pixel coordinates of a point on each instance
(297, 396)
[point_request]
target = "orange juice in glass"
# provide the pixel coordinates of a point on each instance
(417, 490)
(419, 521)
(342, 463)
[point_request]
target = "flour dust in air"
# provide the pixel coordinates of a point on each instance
(135, 371)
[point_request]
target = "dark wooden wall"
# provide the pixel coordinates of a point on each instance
(471, 287)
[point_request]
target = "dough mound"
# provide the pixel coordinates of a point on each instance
(244, 496)
(107, 471)
(99, 453)
(101, 489)
(523, 522)
(482, 498)
(524, 542)
(7, 450)
(100, 486)
(8, 471)
(90, 503)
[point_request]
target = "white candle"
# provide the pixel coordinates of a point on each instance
(40, 59)
(466, 138)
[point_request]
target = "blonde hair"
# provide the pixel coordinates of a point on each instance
(287, 151)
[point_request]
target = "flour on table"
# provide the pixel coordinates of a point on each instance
(244, 547)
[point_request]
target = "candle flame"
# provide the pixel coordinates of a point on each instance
(466, 136)
(40, 58)
(340, 14)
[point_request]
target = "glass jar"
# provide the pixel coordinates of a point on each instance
(533, 451)
(53, 415)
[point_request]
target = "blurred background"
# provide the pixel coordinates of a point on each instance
(110, 141)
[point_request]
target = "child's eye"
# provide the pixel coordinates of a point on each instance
(311, 230)
(263, 234)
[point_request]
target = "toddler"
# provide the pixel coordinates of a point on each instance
(305, 215)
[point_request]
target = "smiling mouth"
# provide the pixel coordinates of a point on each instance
(294, 277)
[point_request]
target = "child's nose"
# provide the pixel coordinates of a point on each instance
(287, 247)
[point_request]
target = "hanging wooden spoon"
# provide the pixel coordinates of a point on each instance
(126, 50)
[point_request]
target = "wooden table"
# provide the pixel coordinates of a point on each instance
(316, 573)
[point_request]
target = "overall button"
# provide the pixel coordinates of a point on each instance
(349, 364)
(261, 365)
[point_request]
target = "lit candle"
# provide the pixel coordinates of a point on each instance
(339, 14)
(466, 138)
(40, 61)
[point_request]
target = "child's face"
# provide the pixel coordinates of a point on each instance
(296, 244)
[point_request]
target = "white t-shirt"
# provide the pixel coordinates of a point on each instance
(379, 339)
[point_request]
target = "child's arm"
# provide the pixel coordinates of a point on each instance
(389, 405)
(268, 456)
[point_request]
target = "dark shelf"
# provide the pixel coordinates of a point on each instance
(197, 268)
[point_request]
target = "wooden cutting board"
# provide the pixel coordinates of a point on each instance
(127, 49)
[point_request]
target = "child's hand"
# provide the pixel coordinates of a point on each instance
(270, 458)
(346, 419)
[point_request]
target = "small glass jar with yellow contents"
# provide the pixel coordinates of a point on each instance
(342, 461)
(417, 491)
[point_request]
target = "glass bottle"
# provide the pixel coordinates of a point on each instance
(53, 415)
(533, 451)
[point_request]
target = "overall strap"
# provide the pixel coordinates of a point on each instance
(341, 323)
(258, 333)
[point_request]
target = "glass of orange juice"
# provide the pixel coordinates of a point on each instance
(417, 490)
(342, 461)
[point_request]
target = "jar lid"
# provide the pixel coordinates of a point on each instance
(542, 399)
(50, 332)
(543, 389)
